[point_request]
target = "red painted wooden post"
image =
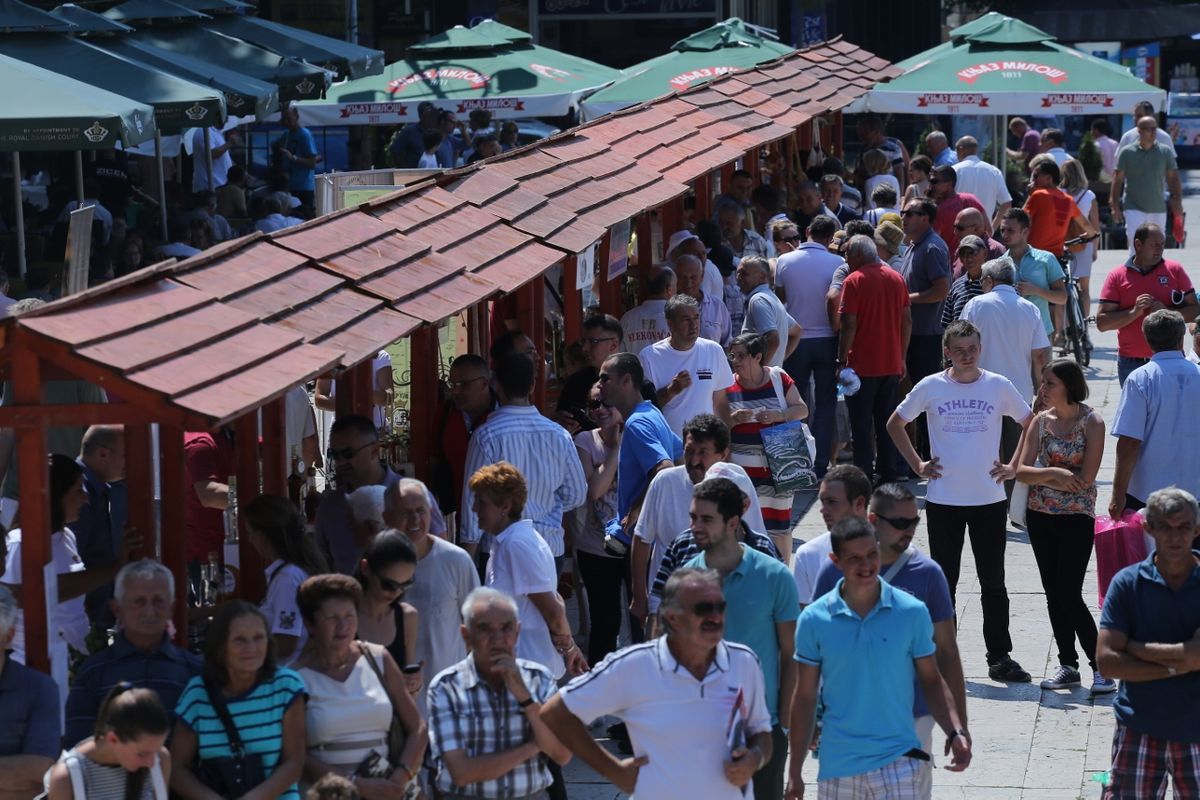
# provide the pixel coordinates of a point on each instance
(343, 400)
(837, 137)
(752, 163)
(139, 482)
(174, 520)
(423, 397)
(251, 582)
(275, 458)
(362, 375)
(671, 214)
(531, 318)
(703, 186)
(572, 303)
(610, 290)
(32, 463)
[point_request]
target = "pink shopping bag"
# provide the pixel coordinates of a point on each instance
(1119, 543)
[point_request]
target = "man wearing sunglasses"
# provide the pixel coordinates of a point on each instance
(684, 696)
(602, 336)
(943, 181)
(893, 514)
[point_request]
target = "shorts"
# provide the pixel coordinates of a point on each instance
(900, 780)
(1141, 763)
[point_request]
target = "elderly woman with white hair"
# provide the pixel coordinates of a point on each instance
(30, 729)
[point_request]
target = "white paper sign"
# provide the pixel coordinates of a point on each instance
(618, 250)
(585, 267)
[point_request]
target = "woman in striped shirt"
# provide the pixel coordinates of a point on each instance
(761, 396)
(265, 703)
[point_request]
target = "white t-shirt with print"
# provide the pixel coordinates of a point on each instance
(283, 579)
(964, 432)
(708, 365)
(644, 325)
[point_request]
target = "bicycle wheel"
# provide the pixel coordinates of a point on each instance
(1074, 326)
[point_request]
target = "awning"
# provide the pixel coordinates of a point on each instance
(17, 17)
(347, 60)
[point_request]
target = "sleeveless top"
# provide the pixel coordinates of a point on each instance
(1063, 451)
(398, 648)
(346, 720)
(104, 782)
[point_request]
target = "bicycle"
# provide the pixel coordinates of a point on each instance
(1078, 343)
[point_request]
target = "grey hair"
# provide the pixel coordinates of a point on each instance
(967, 143)
(862, 247)
(686, 258)
(8, 611)
(1164, 330)
(391, 498)
(679, 579)
(1167, 503)
(759, 263)
(1001, 271)
(678, 303)
(486, 597)
(938, 136)
(145, 570)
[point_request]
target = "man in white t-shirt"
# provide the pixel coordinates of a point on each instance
(765, 314)
(645, 324)
(965, 406)
(686, 370)
(981, 179)
(522, 566)
(665, 511)
(845, 491)
(218, 144)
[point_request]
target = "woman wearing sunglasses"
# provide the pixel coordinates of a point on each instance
(385, 573)
(277, 534)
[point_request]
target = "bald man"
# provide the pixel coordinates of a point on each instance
(981, 179)
(971, 222)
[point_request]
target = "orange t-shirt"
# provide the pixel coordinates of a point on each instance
(1050, 212)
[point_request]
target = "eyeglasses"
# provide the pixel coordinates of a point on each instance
(595, 404)
(389, 585)
(709, 608)
(934, 181)
(346, 453)
(463, 384)
(738, 356)
(912, 211)
(901, 523)
(593, 341)
(788, 239)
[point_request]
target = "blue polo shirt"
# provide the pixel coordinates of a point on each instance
(1040, 268)
(923, 579)
(923, 263)
(30, 724)
(867, 668)
(760, 592)
(1140, 605)
(647, 440)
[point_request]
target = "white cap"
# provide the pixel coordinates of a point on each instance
(678, 238)
(725, 469)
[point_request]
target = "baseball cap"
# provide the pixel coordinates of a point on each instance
(678, 238)
(971, 242)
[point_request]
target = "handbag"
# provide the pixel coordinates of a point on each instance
(395, 734)
(788, 448)
(1119, 543)
(235, 775)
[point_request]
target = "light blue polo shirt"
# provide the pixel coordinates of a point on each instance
(1040, 268)
(868, 672)
(1158, 408)
(760, 592)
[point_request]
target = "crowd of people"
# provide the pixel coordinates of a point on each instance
(414, 639)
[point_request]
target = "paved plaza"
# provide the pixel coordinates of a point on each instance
(1029, 744)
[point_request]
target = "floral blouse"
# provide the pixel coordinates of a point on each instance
(1063, 451)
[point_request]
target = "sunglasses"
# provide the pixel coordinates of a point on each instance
(593, 341)
(934, 181)
(709, 608)
(901, 523)
(597, 404)
(913, 212)
(789, 239)
(389, 585)
(346, 453)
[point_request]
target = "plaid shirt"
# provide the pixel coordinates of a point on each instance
(684, 548)
(466, 714)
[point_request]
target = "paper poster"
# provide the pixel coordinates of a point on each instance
(585, 266)
(618, 250)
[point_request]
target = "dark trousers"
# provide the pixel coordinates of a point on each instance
(869, 410)
(1062, 545)
(558, 789)
(947, 528)
(768, 781)
(1126, 365)
(306, 209)
(924, 358)
(817, 358)
(602, 578)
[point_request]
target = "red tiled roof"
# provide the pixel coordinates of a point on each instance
(221, 333)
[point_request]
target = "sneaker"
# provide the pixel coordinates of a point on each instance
(1101, 684)
(1063, 678)
(1006, 670)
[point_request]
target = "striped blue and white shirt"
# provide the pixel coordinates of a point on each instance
(544, 453)
(258, 716)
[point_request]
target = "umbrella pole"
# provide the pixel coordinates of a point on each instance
(20, 203)
(79, 176)
(208, 159)
(162, 183)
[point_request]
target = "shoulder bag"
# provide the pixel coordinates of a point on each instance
(234, 775)
(788, 448)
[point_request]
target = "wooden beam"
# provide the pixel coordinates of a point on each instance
(174, 521)
(423, 397)
(572, 302)
(610, 289)
(275, 458)
(703, 186)
(671, 214)
(250, 583)
(73, 414)
(35, 512)
(363, 376)
(837, 144)
(343, 400)
(645, 251)
(139, 484)
(753, 164)
(531, 318)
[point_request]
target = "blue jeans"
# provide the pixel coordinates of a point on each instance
(869, 409)
(817, 358)
(1126, 365)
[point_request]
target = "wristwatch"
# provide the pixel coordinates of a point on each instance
(526, 703)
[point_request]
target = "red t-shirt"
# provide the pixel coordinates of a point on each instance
(1050, 212)
(207, 458)
(948, 209)
(877, 296)
(1124, 285)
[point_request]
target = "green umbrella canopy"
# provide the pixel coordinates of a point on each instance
(46, 111)
(501, 33)
(461, 70)
(347, 60)
(244, 96)
(998, 65)
(178, 104)
(707, 54)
